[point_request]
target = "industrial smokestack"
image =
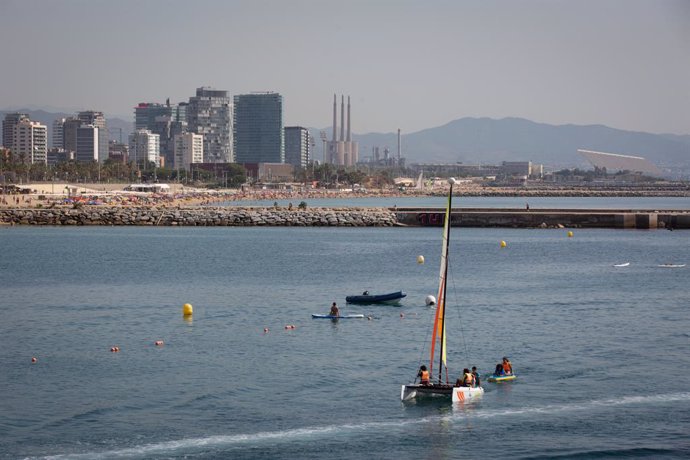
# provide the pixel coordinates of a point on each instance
(349, 133)
(398, 146)
(335, 121)
(342, 117)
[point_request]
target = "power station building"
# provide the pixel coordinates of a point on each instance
(343, 152)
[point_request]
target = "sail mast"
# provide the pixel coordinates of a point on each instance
(439, 321)
(451, 181)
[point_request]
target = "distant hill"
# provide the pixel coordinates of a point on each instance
(489, 141)
(47, 118)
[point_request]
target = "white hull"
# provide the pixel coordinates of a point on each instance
(463, 394)
(458, 394)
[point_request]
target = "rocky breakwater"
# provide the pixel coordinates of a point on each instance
(201, 216)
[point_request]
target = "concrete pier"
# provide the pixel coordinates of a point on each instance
(546, 218)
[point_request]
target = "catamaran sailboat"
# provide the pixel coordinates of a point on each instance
(441, 387)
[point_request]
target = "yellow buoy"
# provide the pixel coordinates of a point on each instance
(187, 309)
(503, 244)
(420, 260)
(570, 234)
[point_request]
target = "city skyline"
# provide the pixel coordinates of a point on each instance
(406, 64)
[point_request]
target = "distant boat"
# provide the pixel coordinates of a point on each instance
(441, 386)
(622, 265)
(671, 265)
(366, 298)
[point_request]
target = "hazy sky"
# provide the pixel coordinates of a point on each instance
(406, 64)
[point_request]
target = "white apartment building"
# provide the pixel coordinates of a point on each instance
(189, 148)
(30, 141)
(144, 146)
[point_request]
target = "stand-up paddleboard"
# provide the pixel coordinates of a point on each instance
(501, 378)
(671, 265)
(622, 265)
(315, 316)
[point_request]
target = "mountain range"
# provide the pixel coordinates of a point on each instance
(490, 141)
(487, 141)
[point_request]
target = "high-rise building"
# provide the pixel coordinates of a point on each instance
(209, 113)
(145, 114)
(58, 133)
(87, 138)
(96, 119)
(298, 146)
(30, 141)
(259, 135)
(144, 147)
(189, 148)
(166, 120)
(8, 123)
(69, 134)
(344, 151)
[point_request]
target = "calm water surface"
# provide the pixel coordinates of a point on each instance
(598, 349)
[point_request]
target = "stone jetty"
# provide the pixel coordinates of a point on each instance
(200, 216)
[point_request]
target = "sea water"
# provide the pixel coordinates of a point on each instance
(601, 352)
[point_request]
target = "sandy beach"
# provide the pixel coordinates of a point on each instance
(63, 194)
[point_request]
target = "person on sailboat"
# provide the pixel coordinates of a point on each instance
(475, 374)
(467, 379)
(423, 375)
(507, 366)
(334, 310)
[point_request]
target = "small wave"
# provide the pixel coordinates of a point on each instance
(219, 441)
(233, 440)
(586, 405)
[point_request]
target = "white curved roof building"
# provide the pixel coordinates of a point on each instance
(617, 162)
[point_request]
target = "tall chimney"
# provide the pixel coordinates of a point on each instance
(349, 133)
(342, 117)
(398, 146)
(335, 121)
